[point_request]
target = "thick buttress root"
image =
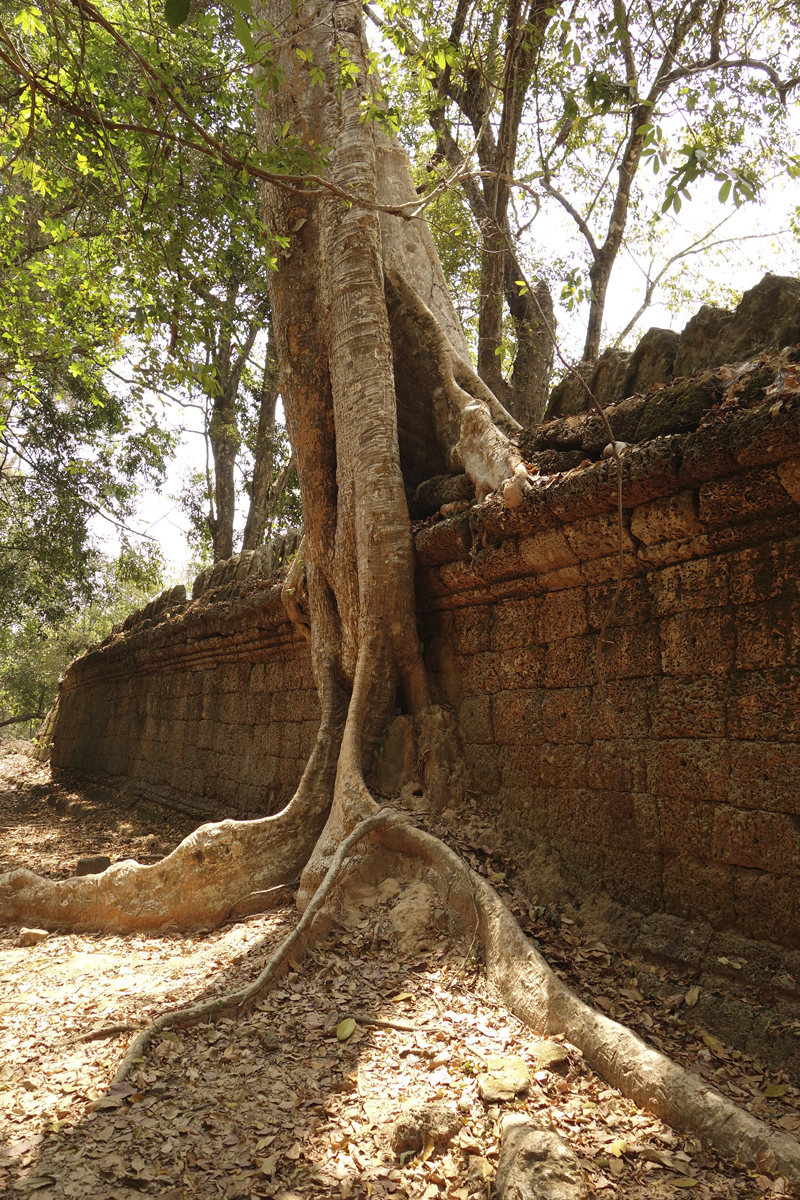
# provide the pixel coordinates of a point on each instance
(535, 994)
(235, 1003)
(525, 983)
(219, 870)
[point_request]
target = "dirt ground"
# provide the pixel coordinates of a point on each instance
(277, 1105)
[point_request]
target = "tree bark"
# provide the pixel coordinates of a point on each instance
(263, 495)
(229, 362)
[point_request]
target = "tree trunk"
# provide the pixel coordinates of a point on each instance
(262, 497)
(223, 429)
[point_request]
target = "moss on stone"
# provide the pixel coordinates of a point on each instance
(678, 408)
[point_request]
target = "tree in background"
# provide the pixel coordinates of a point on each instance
(694, 90)
(129, 257)
(34, 652)
(468, 72)
(555, 110)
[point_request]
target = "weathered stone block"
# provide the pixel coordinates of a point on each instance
(475, 720)
(688, 708)
(671, 519)
(563, 766)
(768, 841)
(761, 572)
(765, 705)
(633, 879)
(514, 623)
(598, 537)
(570, 662)
(562, 614)
(599, 570)
(687, 827)
(499, 563)
(471, 629)
(630, 652)
(765, 775)
(618, 765)
(665, 554)
(561, 579)
(621, 709)
(444, 542)
(767, 906)
(547, 551)
(619, 820)
(768, 633)
(696, 889)
(565, 715)
(789, 475)
(701, 584)
(697, 643)
(692, 770)
(634, 606)
(483, 766)
(748, 493)
(520, 768)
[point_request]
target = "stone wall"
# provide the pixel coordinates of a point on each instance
(209, 708)
(676, 786)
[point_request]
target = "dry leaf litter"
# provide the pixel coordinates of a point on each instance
(304, 1098)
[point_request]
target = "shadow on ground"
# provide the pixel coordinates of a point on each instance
(275, 1105)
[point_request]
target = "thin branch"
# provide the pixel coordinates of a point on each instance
(37, 716)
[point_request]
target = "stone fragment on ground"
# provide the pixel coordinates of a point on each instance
(32, 937)
(536, 1164)
(94, 864)
(423, 1124)
(506, 1075)
(551, 1056)
(479, 1169)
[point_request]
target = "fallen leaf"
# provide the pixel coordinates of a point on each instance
(774, 1090)
(692, 996)
(345, 1028)
(715, 1045)
(683, 1181)
(294, 1152)
(618, 1148)
(616, 1166)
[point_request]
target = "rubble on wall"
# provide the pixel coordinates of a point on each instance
(767, 319)
(265, 563)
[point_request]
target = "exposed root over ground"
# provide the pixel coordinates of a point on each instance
(273, 1101)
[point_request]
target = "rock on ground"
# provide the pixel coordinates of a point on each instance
(505, 1077)
(535, 1164)
(419, 1124)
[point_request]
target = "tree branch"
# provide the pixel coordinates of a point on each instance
(37, 716)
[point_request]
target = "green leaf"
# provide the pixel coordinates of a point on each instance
(725, 190)
(775, 1090)
(244, 35)
(345, 1029)
(176, 12)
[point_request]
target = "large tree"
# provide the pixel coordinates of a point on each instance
(379, 393)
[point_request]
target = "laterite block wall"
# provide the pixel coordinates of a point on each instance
(678, 792)
(211, 708)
